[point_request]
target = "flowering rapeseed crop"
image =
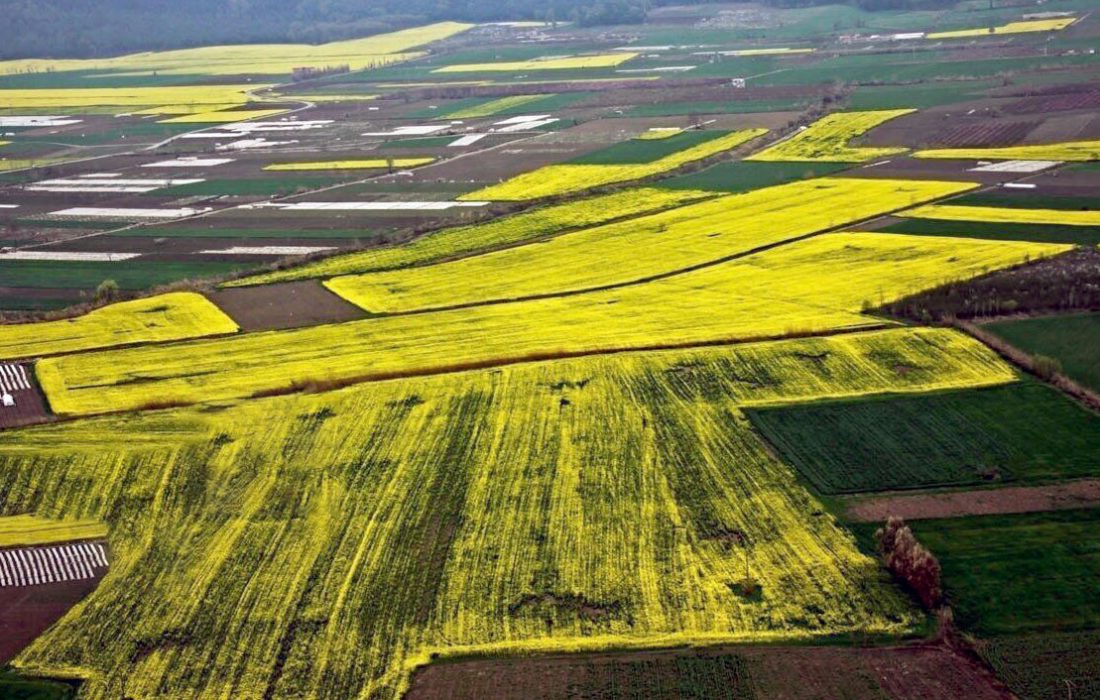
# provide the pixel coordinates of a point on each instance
(160, 318)
(563, 179)
(827, 139)
(815, 285)
(602, 502)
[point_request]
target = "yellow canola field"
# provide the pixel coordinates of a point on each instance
(1005, 215)
(811, 286)
(8, 164)
(173, 316)
(827, 139)
(174, 95)
(495, 106)
(31, 531)
(191, 108)
(607, 60)
(497, 233)
(365, 164)
(255, 59)
(362, 531)
(784, 51)
(641, 248)
(1038, 25)
(658, 133)
(1070, 150)
(554, 180)
(221, 117)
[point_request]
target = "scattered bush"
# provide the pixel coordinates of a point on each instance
(910, 562)
(1046, 367)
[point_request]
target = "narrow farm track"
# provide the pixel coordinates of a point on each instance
(1084, 493)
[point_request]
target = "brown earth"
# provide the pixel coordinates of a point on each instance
(280, 306)
(905, 168)
(28, 611)
(1064, 127)
(29, 408)
(987, 134)
(919, 672)
(954, 504)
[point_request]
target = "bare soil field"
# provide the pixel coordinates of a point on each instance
(1013, 499)
(26, 612)
(29, 408)
(1065, 127)
(774, 673)
(279, 306)
(954, 125)
(906, 168)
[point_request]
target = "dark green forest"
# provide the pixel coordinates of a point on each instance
(93, 28)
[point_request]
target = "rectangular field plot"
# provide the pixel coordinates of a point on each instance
(1072, 340)
(1039, 233)
(498, 233)
(1007, 215)
(1007, 574)
(827, 139)
(745, 175)
(62, 271)
(644, 248)
(1022, 432)
(442, 508)
(250, 187)
(552, 180)
(1047, 666)
(28, 531)
(155, 319)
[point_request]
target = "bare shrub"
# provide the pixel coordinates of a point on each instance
(910, 562)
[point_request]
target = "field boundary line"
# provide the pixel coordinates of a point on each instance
(1080, 394)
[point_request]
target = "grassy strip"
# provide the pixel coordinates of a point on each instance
(94, 225)
(266, 186)
(218, 232)
(132, 275)
(1008, 574)
(1023, 200)
(646, 150)
(1073, 340)
(17, 303)
(1040, 233)
(672, 109)
(741, 176)
(1023, 432)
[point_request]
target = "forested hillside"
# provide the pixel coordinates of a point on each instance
(62, 28)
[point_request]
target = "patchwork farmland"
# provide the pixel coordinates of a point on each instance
(631, 351)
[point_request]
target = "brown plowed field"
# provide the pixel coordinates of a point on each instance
(30, 406)
(764, 673)
(1014, 499)
(28, 611)
(279, 306)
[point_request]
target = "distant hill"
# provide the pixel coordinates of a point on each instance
(67, 29)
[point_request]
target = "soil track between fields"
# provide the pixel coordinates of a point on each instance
(955, 504)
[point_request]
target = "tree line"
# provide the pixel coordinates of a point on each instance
(64, 29)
